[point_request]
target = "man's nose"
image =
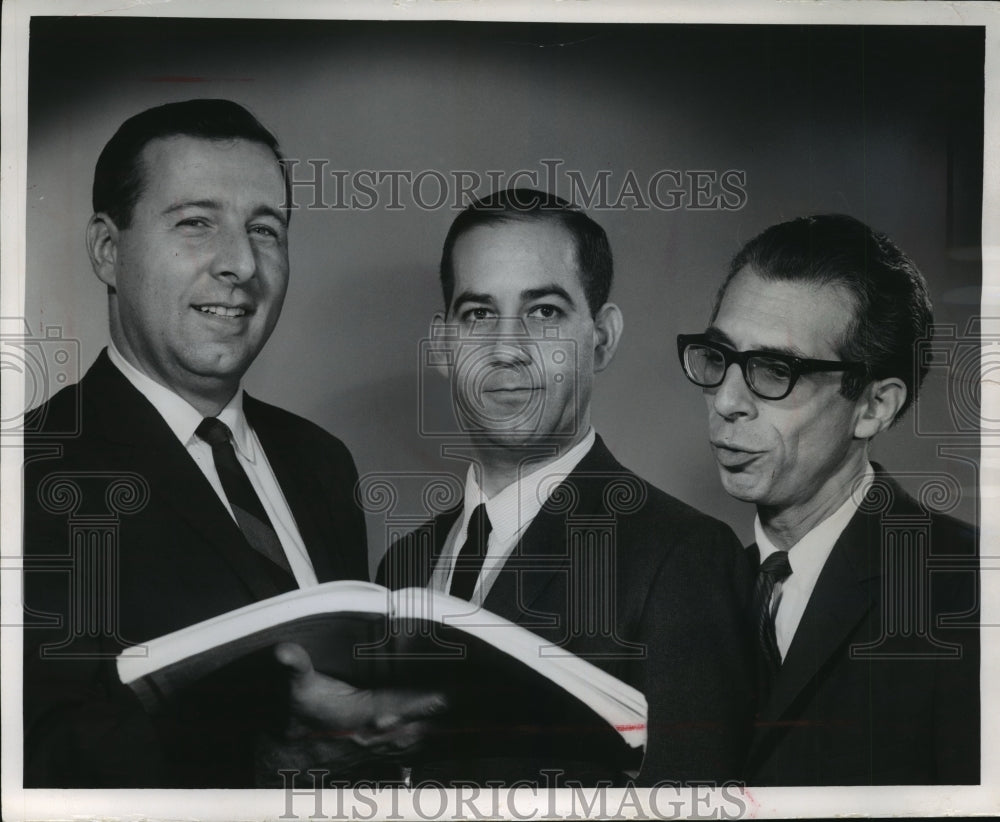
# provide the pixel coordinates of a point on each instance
(510, 340)
(734, 398)
(234, 255)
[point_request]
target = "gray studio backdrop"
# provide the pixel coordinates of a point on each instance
(882, 123)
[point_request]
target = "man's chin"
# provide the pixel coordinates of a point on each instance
(221, 363)
(501, 436)
(740, 485)
(516, 439)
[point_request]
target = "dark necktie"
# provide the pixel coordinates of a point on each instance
(773, 570)
(470, 558)
(247, 508)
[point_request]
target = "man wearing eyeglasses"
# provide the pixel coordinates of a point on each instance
(868, 664)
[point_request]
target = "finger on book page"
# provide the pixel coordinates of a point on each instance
(402, 738)
(395, 706)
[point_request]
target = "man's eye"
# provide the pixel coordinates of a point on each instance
(478, 313)
(264, 231)
(773, 369)
(545, 312)
(193, 222)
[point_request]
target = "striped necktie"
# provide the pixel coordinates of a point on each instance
(773, 570)
(247, 507)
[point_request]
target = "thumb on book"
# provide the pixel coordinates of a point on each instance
(294, 657)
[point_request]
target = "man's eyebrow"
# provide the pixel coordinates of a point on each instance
(785, 350)
(269, 211)
(210, 205)
(472, 297)
(551, 290)
(717, 335)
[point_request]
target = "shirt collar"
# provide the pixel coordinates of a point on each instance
(818, 542)
(182, 417)
(513, 508)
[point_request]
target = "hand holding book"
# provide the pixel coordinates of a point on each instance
(367, 670)
(334, 725)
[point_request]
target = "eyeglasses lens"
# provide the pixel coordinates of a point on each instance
(706, 366)
(769, 378)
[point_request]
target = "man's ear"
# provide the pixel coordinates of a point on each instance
(439, 351)
(608, 326)
(102, 246)
(878, 406)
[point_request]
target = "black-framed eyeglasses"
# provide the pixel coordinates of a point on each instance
(770, 375)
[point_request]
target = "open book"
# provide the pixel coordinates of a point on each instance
(369, 636)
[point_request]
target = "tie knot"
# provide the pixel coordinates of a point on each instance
(213, 431)
(776, 566)
(479, 523)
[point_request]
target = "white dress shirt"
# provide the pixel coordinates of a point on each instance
(183, 419)
(511, 511)
(807, 558)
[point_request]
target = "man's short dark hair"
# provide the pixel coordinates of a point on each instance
(892, 310)
(119, 177)
(593, 252)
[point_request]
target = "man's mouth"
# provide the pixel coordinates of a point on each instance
(732, 456)
(228, 311)
(507, 380)
(506, 393)
(510, 396)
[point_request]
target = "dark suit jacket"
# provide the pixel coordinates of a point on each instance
(881, 682)
(675, 581)
(124, 541)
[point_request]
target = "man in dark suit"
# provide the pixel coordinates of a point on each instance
(553, 533)
(865, 605)
(158, 495)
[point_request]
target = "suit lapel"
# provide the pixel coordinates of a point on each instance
(284, 454)
(540, 554)
(129, 420)
(844, 593)
(408, 564)
(441, 525)
(543, 551)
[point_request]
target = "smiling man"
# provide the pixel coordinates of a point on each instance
(553, 533)
(868, 657)
(158, 494)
